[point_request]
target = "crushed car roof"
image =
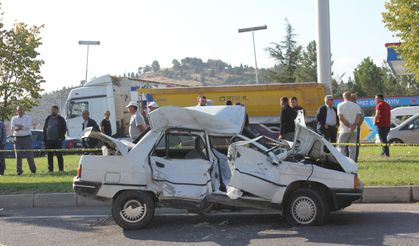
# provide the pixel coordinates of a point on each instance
(217, 120)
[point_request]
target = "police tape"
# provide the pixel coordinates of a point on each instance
(75, 150)
(375, 144)
(78, 150)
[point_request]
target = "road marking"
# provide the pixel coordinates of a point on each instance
(54, 217)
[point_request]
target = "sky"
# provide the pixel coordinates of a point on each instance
(133, 33)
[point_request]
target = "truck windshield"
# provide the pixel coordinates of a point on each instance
(75, 109)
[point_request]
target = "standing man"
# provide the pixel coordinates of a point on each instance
(202, 101)
(105, 124)
(327, 120)
(349, 115)
(87, 122)
(136, 124)
(55, 128)
(21, 128)
(151, 106)
(295, 106)
(354, 98)
(288, 115)
(2, 143)
(382, 121)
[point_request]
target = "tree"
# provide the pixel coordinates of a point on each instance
(155, 66)
(176, 64)
(368, 78)
(146, 69)
(307, 68)
(20, 68)
(402, 17)
(286, 55)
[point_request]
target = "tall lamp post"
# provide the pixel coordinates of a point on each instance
(253, 29)
(88, 43)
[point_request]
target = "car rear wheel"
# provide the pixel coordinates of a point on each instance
(133, 210)
(306, 207)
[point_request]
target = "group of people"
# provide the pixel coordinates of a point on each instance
(341, 124)
(54, 132)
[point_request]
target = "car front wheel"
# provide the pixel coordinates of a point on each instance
(306, 207)
(133, 210)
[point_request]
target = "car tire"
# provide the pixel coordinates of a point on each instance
(395, 140)
(306, 207)
(133, 210)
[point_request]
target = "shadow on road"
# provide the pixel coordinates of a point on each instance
(352, 228)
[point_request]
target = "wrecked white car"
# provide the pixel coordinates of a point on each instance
(196, 159)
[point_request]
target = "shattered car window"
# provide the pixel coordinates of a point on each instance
(181, 146)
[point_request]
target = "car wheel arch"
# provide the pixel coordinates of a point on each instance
(319, 187)
(152, 194)
(395, 140)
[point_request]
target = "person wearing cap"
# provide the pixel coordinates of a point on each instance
(136, 124)
(151, 106)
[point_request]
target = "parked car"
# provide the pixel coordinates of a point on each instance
(175, 164)
(406, 132)
(38, 143)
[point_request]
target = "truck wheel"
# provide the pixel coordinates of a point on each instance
(306, 207)
(133, 210)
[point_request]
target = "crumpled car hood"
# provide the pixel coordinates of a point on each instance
(304, 140)
(122, 146)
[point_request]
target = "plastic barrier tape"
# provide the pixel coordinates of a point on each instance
(54, 150)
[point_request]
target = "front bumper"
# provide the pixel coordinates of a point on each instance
(343, 198)
(85, 188)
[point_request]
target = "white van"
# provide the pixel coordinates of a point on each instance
(400, 114)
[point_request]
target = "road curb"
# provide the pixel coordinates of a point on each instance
(372, 194)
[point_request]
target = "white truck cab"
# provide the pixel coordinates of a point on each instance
(98, 95)
(195, 158)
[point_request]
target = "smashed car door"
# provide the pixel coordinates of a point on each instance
(253, 171)
(180, 165)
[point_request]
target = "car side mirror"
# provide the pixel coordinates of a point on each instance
(411, 127)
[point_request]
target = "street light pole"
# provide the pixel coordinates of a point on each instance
(253, 29)
(88, 43)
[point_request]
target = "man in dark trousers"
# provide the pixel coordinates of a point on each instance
(382, 121)
(87, 122)
(328, 120)
(2, 143)
(55, 128)
(105, 124)
(288, 115)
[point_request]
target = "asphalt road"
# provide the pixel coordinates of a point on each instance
(360, 224)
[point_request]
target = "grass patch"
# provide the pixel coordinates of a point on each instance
(42, 181)
(402, 168)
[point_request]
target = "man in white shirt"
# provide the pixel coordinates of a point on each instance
(349, 116)
(136, 124)
(21, 128)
